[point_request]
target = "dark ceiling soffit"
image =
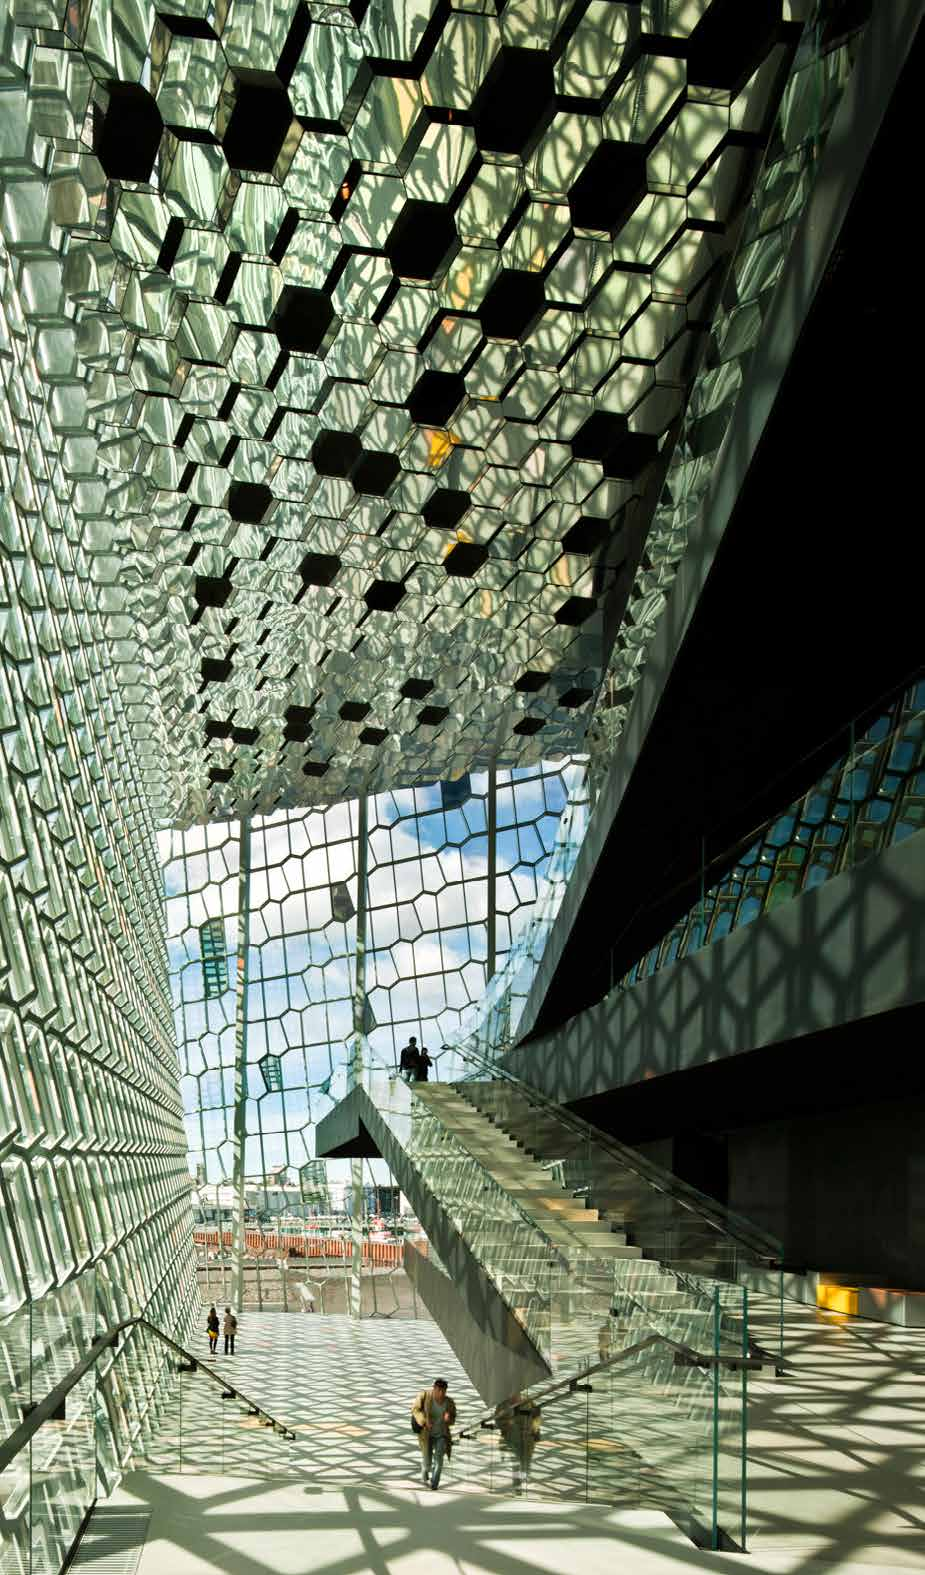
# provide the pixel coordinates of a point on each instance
(886, 45)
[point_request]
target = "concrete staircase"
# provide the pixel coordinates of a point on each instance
(611, 1280)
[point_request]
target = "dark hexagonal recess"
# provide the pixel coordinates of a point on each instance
(577, 610)
(416, 688)
(445, 507)
(384, 595)
(512, 304)
(465, 559)
(248, 501)
(319, 568)
(531, 681)
(127, 133)
(434, 397)
(610, 187)
(315, 768)
(259, 122)
(516, 101)
(597, 436)
(215, 669)
(302, 318)
(529, 726)
(298, 719)
(630, 455)
(245, 735)
(336, 453)
(212, 591)
(220, 774)
(730, 40)
(432, 715)
(373, 735)
(354, 710)
(586, 535)
(375, 473)
(422, 241)
(573, 698)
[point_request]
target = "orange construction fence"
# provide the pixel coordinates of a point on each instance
(275, 1243)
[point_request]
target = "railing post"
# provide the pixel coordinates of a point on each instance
(491, 942)
(240, 1072)
(355, 1278)
(714, 1530)
(743, 1532)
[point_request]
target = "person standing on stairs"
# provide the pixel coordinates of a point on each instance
(229, 1330)
(425, 1062)
(433, 1414)
(408, 1061)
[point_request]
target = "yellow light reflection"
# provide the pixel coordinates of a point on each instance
(441, 446)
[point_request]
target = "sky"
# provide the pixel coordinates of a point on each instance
(426, 944)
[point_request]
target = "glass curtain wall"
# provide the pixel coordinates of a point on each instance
(94, 1191)
(871, 798)
(427, 957)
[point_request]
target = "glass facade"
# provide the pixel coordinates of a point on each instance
(367, 335)
(94, 1188)
(426, 951)
(872, 797)
(344, 351)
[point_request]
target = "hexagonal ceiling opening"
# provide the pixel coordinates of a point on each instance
(386, 324)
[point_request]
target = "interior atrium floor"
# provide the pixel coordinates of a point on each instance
(837, 1465)
(345, 1389)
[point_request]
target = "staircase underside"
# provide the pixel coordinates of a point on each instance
(505, 1360)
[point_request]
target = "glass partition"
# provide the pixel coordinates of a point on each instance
(141, 1401)
(665, 1356)
(647, 1425)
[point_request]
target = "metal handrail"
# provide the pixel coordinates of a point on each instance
(564, 1388)
(737, 1228)
(45, 1410)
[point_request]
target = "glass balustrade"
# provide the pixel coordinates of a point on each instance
(664, 1360)
(114, 1397)
(649, 1425)
(673, 1249)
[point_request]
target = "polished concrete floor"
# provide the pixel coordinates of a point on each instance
(837, 1446)
(836, 1478)
(345, 1387)
(211, 1525)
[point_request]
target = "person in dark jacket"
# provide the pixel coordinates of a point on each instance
(212, 1329)
(425, 1062)
(408, 1061)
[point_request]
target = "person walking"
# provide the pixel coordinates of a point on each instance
(518, 1422)
(408, 1061)
(425, 1062)
(229, 1330)
(433, 1414)
(212, 1329)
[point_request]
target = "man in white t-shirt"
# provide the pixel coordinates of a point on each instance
(433, 1414)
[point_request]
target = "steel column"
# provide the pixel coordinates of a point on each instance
(240, 1061)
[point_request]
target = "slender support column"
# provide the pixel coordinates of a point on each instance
(355, 1286)
(492, 910)
(240, 1060)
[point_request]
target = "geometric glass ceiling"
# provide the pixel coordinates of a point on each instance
(385, 315)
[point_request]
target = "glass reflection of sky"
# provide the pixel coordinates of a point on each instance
(426, 944)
